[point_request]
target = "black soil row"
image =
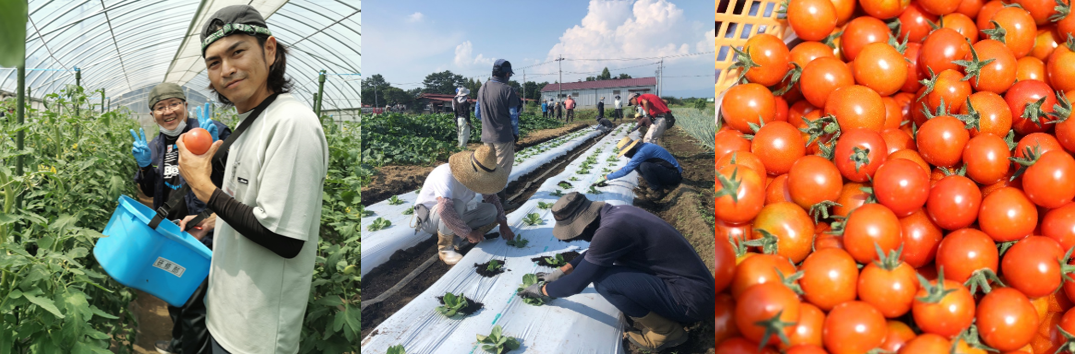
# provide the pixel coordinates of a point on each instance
(472, 306)
(483, 269)
(568, 257)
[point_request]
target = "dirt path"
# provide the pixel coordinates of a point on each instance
(689, 208)
(395, 179)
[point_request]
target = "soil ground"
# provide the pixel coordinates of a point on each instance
(689, 208)
(395, 179)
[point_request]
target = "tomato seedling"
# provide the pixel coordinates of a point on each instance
(493, 266)
(396, 349)
(533, 219)
(394, 200)
(528, 280)
(452, 304)
(519, 241)
(544, 205)
(379, 224)
(496, 342)
(556, 261)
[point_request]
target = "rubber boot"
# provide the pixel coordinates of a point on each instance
(660, 333)
(446, 249)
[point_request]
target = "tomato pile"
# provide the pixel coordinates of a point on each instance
(900, 180)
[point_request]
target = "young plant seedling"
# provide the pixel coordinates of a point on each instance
(494, 265)
(519, 241)
(497, 343)
(394, 200)
(379, 224)
(396, 349)
(574, 179)
(533, 219)
(593, 190)
(544, 205)
(452, 304)
(558, 193)
(528, 280)
(409, 211)
(564, 185)
(556, 261)
(364, 213)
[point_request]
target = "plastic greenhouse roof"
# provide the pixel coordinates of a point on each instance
(128, 46)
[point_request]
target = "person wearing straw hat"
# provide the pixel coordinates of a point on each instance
(656, 165)
(158, 175)
(441, 206)
(657, 111)
(461, 107)
(636, 261)
(269, 206)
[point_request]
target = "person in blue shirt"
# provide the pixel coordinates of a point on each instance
(656, 165)
(637, 262)
(544, 109)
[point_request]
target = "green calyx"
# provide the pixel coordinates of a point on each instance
(820, 127)
(982, 278)
(1030, 157)
(743, 61)
(767, 242)
(791, 281)
(861, 157)
(1033, 111)
(773, 326)
(973, 119)
(973, 67)
(996, 33)
(820, 211)
(934, 293)
(730, 185)
(1062, 10)
(929, 83)
(792, 79)
(889, 262)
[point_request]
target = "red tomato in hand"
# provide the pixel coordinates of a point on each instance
(868, 227)
(1006, 319)
(197, 140)
(854, 327)
(1032, 266)
(1007, 215)
(902, 186)
(830, 277)
(858, 154)
(954, 202)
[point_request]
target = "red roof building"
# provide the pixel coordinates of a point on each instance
(587, 93)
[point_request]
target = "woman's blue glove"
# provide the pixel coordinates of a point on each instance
(141, 149)
(207, 123)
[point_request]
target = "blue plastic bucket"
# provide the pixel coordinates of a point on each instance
(167, 262)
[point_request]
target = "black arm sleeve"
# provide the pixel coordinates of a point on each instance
(241, 217)
(147, 179)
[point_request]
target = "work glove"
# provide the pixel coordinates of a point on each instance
(601, 182)
(141, 149)
(207, 123)
(547, 277)
(534, 292)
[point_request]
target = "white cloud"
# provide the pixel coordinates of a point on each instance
(464, 58)
(415, 17)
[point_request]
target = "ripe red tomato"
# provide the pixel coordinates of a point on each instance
(882, 68)
(915, 23)
(812, 180)
(805, 52)
(868, 227)
(742, 158)
(858, 154)
(970, 7)
(940, 7)
(808, 330)
(921, 238)
(197, 140)
(812, 20)
(1047, 182)
(949, 87)
(724, 317)
(854, 327)
(856, 107)
(964, 252)
(1006, 319)
(986, 157)
(728, 141)
(851, 197)
(1032, 266)
(777, 190)
(990, 112)
(941, 141)
(1045, 43)
(806, 349)
(902, 186)
(898, 335)
(954, 202)
(1065, 28)
(893, 113)
(1007, 215)
(889, 286)
(1030, 68)
(754, 103)
(884, 9)
(739, 345)
(910, 56)
(793, 229)
(1037, 141)
(912, 155)
(759, 269)
(764, 302)
(724, 263)
(830, 277)
(770, 58)
(778, 145)
(1039, 10)
(998, 75)
(940, 49)
(1060, 69)
(946, 315)
(741, 198)
(1019, 29)
(897, 139)
(860, 32)
(1059, 225)
(927, 343)
(824, 75)
(1023, 97)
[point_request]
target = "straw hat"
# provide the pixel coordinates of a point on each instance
(573, 213)
(477, 170)
(625, 145)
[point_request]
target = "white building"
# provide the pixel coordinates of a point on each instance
(586, 93)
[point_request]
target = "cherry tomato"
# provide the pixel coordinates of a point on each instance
(814, 179)
(964, 252)
(739, 345)
(744, 195)
(859, 152)
(1022, 98)
(825, 75)
(744, 159)
(921, 239)
(998, 75)
(778, 145)
(890, 287)
(949, 315)
(777, 190)
(1006, 319)
(893, 114)
(970, 7)
(884, 9)
(881, 67)
(898, 335)
(851, 197)
(728, 141)
(915, 23)
(927, 343)
(1045, 42)
(764, 302)
(950, 88)
(868, 227)
(860, 32)
(808, 330)
(985, 14)
(770, 58)
(1039, 10)
(940, 7)
(911, 155)
(793, 229)
(1065, 27)
(910, 56)
(1007, 215)
(759, 269)
(1059, 225)
(896, 140)
(963, 24)
(1031, 266)
(940, 49)
(806, 349)
(754, 103)
(812, 20)
(990, 113)
(1047, 182)
(902, 186)
(856, 107)
(941, 141)
(1060, 69)
(854, 327)
(954, 202)
(1041, 142)
(1030, 68)
(805, 52)
(844, 10)
(830, 277)
(1019, 29)
(724, 318)
(197, 140)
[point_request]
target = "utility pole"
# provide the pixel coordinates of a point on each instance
(560, 81)
(524, 90)
(660, 81)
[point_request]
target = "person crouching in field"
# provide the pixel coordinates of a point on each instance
(656, 165)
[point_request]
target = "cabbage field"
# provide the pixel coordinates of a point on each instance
(55, 298)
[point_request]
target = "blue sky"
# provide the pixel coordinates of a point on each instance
(406, 40)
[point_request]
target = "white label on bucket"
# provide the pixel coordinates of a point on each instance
(169, 266)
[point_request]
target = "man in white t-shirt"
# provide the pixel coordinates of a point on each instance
(441, 207)
(269, 209)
